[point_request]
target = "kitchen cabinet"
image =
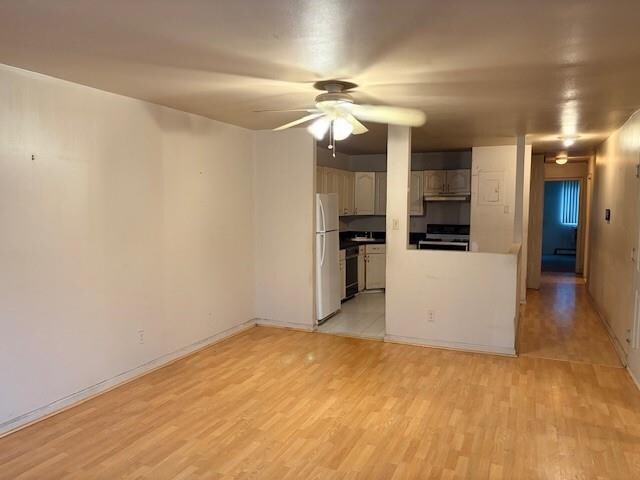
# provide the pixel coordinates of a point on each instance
(458, 181)
(375, 266)
(340, 182)
(438, 182)
(381, 193)
(320, 177)
(343, 274)
(434, 182)
(346, 193)
(365, 193)
(332, 181)
(361, 268)
(416, 201)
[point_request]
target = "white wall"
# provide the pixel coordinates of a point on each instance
(473, 295)
(492, 224)
(613, 274)
(131, 216)
(285, 196)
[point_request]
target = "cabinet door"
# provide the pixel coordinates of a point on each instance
(381, 193)
(361, 269)
(375, 270)
(320, 178)
(349, 192)
(434, 182)
(331, 181)
(365, 193)
(342, 197)
(416, 201)
(458, 181)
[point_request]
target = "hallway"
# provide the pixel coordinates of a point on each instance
(558, 322)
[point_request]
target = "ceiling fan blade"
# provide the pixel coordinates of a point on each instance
(306, 118)
(410, 117)
(308, 110)
(358, 128)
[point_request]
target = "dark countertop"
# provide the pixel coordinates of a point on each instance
(345, 239)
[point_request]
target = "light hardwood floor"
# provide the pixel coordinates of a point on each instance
(274, 403)
(559, 322)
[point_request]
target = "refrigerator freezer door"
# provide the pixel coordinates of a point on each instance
(327, 274)
(326, 212)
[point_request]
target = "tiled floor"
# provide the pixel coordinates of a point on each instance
(362, 316)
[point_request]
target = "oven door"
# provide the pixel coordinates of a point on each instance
(352, 274)
(435, 245)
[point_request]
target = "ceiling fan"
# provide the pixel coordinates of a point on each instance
(337, 113)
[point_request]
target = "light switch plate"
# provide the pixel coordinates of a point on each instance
(395, 224)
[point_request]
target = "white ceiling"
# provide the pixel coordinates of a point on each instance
(484, 71)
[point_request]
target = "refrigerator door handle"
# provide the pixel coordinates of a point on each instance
(322, 217)
(324, 249)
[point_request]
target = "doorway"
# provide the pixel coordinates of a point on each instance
(560, 228)
(358, 184)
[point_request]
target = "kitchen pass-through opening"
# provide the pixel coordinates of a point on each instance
(350, 244)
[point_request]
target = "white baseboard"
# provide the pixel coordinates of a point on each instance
(266, 322)
(85, 394)
(633, 377)
(465, 347)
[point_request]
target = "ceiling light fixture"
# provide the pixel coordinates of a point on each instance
(562, 158)
(341, 129)
(568, 141)
(319, 128)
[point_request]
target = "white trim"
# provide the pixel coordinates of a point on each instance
(635, 380)
(266, 322)
(459, 346)
(85, 394)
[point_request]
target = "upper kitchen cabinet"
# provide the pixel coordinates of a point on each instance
(381, 193)
(416, 204)
(434, 182)
(458, 181)
(365, 193)
(346, 192)
(320, 178)
(332, 180)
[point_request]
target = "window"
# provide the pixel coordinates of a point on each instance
(570, 199)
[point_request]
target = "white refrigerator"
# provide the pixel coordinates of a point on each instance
(327, 256)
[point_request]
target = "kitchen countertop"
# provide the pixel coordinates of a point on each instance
(346, 239)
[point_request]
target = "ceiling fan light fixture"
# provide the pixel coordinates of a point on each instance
(319, 128)
(341, 129)
(561, 158)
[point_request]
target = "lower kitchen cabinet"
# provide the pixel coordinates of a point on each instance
(343, 274)
(375, 266)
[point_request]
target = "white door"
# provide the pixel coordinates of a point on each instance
(365, 193)
(416, 201)
(458, 181)
(361, 268)
(381, 193)
(327, 274)
(375, 270)
(434, 182)
(327, 212)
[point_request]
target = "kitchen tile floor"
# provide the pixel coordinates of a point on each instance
(362, 316)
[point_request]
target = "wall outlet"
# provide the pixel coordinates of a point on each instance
(141, 336)
(431, 316)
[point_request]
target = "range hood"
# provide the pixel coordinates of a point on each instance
(448, 197)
